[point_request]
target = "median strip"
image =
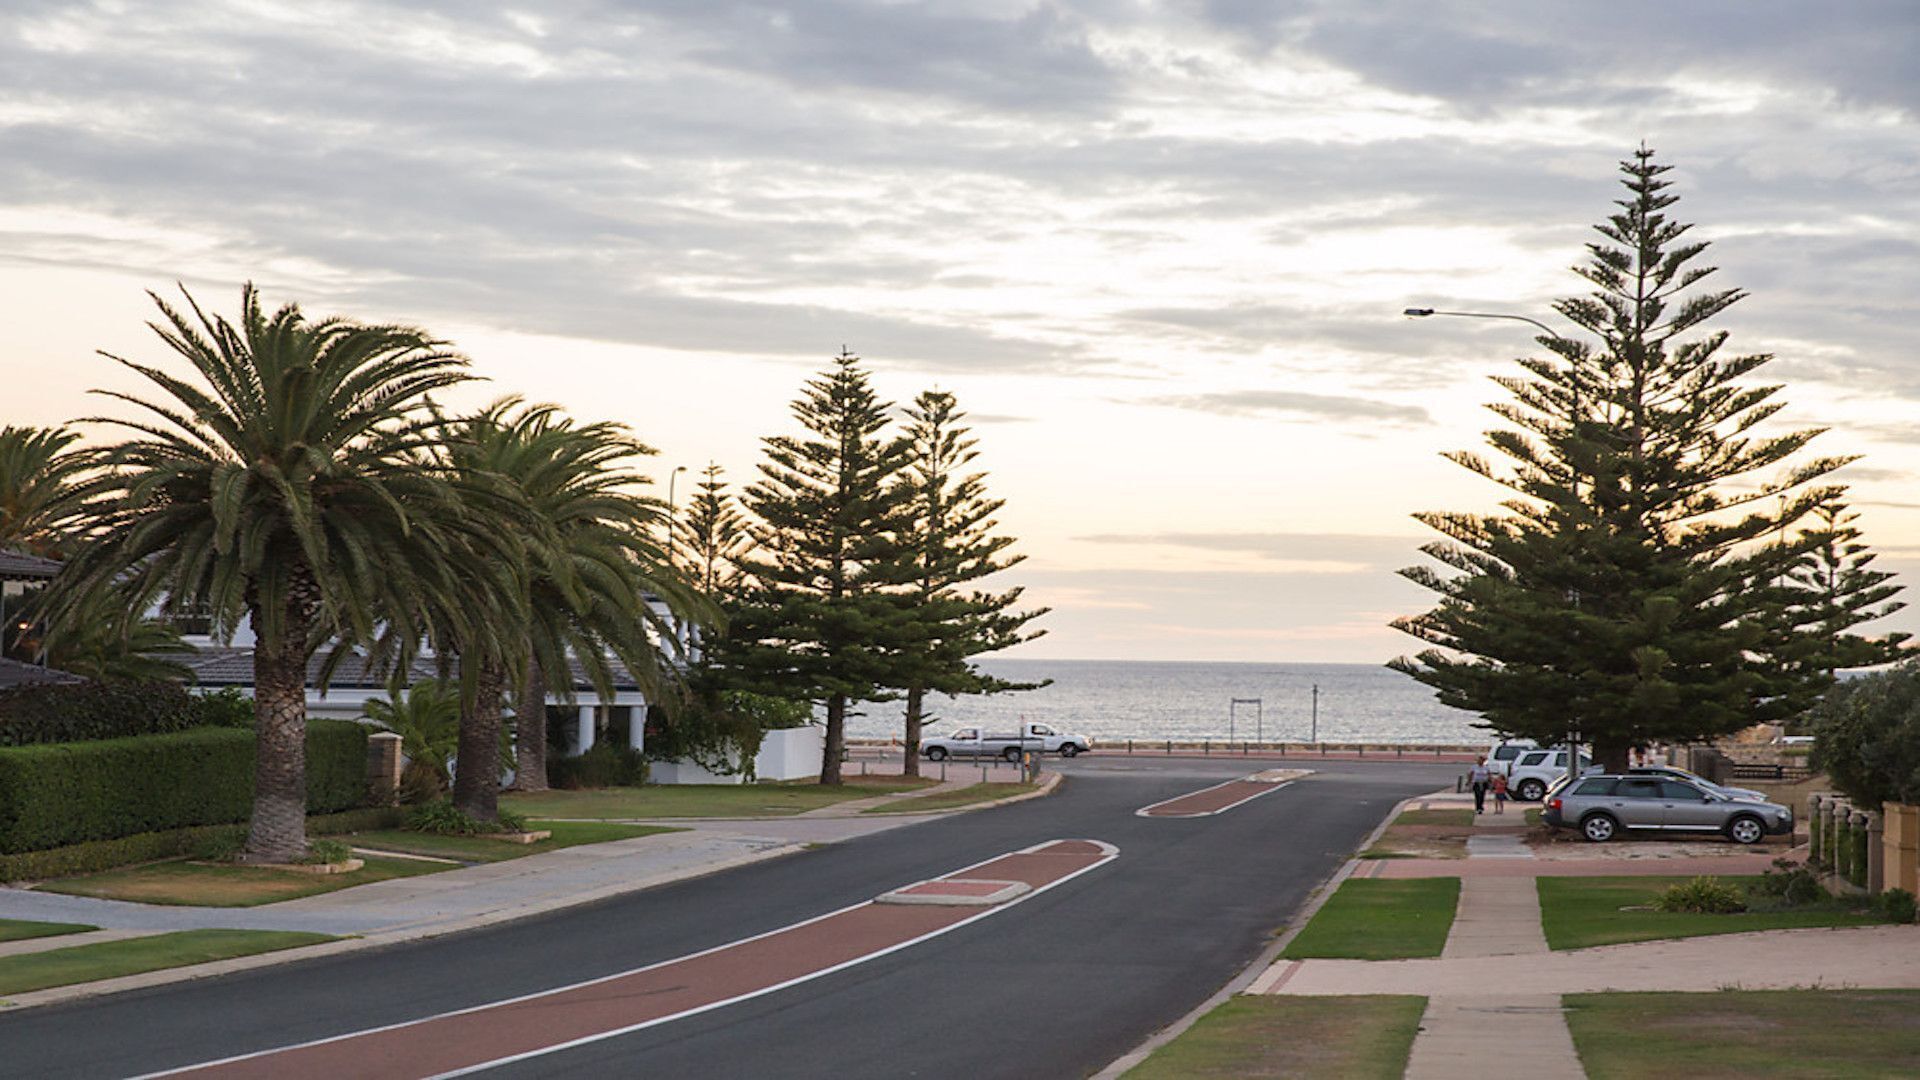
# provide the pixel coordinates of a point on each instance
(1221, 798)
(488, 1036)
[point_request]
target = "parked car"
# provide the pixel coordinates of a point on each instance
(1676, 773)
(1601, 806)
(1533, 772)
(1501, 754)
(1033, 738)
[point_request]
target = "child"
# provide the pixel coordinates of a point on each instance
(1499, 793)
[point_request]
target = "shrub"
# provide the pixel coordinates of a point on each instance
(421, 781)
(603, 765)
(1794, 884)
(64, 793)
(446, 819)
(1702, 896)
(1867, 736)
(321, 852)
(61, 713)
(226, 707)
(1897, 905)
(206, 842)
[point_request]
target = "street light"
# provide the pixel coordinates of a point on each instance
(672, 478)
(1423, 312)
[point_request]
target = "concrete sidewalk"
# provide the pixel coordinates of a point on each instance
(1496, 984)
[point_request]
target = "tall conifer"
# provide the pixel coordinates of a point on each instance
(951, 544)
(821, 617)
(1623, 595)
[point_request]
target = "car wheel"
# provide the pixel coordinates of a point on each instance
(1599, 828)
(1011, 753)
(1068, 749)
(1532, 790)
(1746, 829)
(936, 753)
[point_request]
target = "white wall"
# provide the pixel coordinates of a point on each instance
(788, 754)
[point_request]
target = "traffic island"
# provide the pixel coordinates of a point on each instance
(957, 892)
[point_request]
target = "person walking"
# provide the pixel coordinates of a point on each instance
(1499, 793)
(1477, 778)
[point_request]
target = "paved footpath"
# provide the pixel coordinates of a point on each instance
(1497, 987)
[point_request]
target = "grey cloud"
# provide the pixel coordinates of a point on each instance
(1294, 404)
(1381, 551)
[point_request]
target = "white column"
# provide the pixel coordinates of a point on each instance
(584, 740)
(637, 725)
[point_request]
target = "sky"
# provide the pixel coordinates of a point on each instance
(1159, 251)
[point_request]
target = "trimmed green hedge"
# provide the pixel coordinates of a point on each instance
(60, 713)
(100, 855)
(66, 793)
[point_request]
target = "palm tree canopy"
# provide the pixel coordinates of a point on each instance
(43, 487)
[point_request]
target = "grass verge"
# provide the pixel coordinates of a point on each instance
(703, 800)
(947, 800)
(22, 929)
(1456, 818)
(1577, 913)
(1380, 920)
(112, 959)
(1747, 1033)
(479, 849)
(224, 885)
(1307, 1037)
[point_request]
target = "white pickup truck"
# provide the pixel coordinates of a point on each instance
(1034, 738)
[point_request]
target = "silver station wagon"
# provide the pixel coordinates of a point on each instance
(1601, 806)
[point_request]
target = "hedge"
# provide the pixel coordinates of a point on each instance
(60, 713)
(67, 793)
(98, 855)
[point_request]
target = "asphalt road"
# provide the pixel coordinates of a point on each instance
(1056, 987)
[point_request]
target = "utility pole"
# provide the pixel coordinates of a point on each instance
(1316, 714)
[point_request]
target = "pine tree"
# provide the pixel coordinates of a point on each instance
(821, 617)
(951, 543)
(1839, 590)
(1623, 595)
(714, 536)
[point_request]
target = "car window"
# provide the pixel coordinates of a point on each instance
(1560, 760)
(1042, 729)
(1675, 789)
(1594, 787)
(965, 733)
(1506, 753)
(1533, 759)
(1638, 789)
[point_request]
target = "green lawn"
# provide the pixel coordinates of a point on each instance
(1580, 912)
(21, 929)
(482, 849)
(1336, 1038)
(947, 800)
(703, 800)
(111, 959)
(226, 885)
(1380, 920)
(1747, 1033)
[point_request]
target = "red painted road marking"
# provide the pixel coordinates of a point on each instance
(956, 888)
(469, 1040)
(1217, 799)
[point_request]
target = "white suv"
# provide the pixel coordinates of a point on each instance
(1500, 756)
(1534, 771)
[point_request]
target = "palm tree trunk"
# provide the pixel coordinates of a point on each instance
(910, 764)
(836, 739)
(530, 731)
(476, 775)
(277, 831)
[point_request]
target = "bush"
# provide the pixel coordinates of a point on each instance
(64, 793)
(226, 707)
(327, 852)
(1897, 905)
(446, 819)
(1793, 884)
(603, 765)
(1702, 896)
(212, 842)
(61, 713)
(1867, 736)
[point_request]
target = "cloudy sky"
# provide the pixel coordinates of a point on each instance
(1159, 250)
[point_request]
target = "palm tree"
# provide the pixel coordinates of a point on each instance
(43, 487)
(274, 482)
(584, 566)
(107, 636)
(426, 716)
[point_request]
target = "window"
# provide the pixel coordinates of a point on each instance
(1594, 787)
(1042, 729)
(1560, 760)
(1674, 789)
(1638, 789)
(1506, 753)
(1533, 759)
(966, 733)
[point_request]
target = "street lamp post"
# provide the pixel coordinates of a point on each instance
(672, 520)
(1423, 312)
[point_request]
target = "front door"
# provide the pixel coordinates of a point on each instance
(1639, 803)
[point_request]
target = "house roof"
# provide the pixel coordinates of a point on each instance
(221, 665)
(17, 566)
(14, 673)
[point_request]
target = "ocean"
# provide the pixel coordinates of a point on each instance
(1123, 699)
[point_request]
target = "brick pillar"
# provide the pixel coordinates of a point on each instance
(1816, 824)
(1902, 846)
(1876, 852)
(383, 767)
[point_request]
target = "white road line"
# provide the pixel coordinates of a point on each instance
(1111, 852)
(1268, 789)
